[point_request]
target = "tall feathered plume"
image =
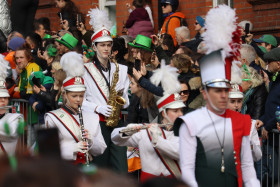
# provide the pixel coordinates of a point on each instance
(99, 19)
(72, 63)
(4, 66)
(223, 33)
(168, 77)
(220, 24)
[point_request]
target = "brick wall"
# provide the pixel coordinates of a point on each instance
(265, 17)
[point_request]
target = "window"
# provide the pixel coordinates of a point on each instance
(226, 2)
(110, 7)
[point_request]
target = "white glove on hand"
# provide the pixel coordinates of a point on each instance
(135, 127)
(105, 110)
(155, 133)
(81, 147)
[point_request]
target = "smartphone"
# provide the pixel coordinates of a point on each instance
(247, 27)
(137, 65)
(48, 142)
(79, 18)
(60, 16)
(36, 81)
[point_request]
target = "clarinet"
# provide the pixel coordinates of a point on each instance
(82, 127)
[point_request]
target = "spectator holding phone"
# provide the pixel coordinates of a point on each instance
(68, 16)
(39, 82)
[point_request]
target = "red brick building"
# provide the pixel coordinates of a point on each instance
(264, 14)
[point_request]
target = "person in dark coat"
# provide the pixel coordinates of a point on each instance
(255, 93)
(143, 106)
(268, 120)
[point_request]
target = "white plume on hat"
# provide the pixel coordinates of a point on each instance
(168, 77)
(98, 19)
(236, 73)
(72, 63)
(220, 23)
(4, 66)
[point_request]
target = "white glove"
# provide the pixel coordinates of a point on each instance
(133, 127)
(155, 133)
(105, 110)
(80, 147)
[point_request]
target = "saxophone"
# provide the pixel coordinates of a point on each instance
(82, 127)
(115, 100)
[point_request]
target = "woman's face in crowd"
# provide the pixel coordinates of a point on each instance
(184, 93)
(174, 113)
(166, 9)
(60, 3)
(139, 56)
(134, 52)
(75, 99)
(246, 85)
(3, 102)
(134, 87)
(235, 104)
(197, 27)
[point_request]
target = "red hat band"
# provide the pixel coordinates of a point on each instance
(168, 100)
(74, 81)
(103, 32)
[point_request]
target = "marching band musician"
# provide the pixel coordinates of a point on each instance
(8, 140)
(158, 147)
(66, 119)
(99, 78)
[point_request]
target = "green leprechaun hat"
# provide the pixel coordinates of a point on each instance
(142, 42)
(68, 40)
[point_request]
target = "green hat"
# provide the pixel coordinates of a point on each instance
(51, 50)
(68, 40)
(263, 49)
(36, 78)
(47, 36)
(142, 42)
(272, 55)
(267, 38)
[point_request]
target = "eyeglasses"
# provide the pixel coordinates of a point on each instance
(164, 4)
(184, 92)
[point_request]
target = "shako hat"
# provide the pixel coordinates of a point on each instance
(72, 63)
(99, 20)
(212, 69)
(170, 101)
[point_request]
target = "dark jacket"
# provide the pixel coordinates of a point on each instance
(192, 45)
(138, 114)
(162, 54)
(256, 102)
(272, 101)
(48, 98)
